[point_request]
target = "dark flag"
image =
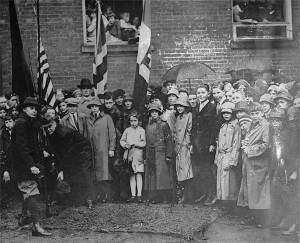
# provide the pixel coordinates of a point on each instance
(100, 59)
(22, 83)
(143, 60)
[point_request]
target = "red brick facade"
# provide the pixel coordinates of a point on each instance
(182, 31)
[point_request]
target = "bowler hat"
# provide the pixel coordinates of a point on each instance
(29, 101)
(182, 102)
(154, 107)
(72, 102)
(267, 98)
(94, 102)
(227, 107)
(85, 83)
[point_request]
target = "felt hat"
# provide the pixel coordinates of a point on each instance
(85, 83)
(267, 98)
(94, 102)
(182, 102)
(128, 97)
(245, 118)
(72, 101)
(284, 95)
(227, 107)
(154, 107)
(278, 113)
(29, 101)
(76, 91)
(119, 92)
(173, 91)
(241, 106)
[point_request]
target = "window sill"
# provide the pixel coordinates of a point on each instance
(263, 44)
(113, 49)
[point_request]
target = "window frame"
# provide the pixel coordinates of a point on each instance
(287, 11)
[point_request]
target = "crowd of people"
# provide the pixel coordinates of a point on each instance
(224, 142)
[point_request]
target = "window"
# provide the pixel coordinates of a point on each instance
(121, 19)
(262, 20)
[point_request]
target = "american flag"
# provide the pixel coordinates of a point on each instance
(100, 59)
(45, 86)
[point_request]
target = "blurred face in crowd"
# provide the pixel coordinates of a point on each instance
(51, 128)
(136, 21)
(170, 85)
(86, 92)
(3, 102)
(157, 101)
(202, 94)
(63, 107)
(30, 111)
(183, 95)
(9, 124)
(217, 94)
(95, 109)
(180, 109)
(266, 107)
(256, 116)
(77, 94)
(13, 101)
(237, 97)
(172, 99)
(109, 103)
(272, 90)
(239, 114)
(154, 114)
(50, 113)
(245, 126)
(193, 100)
(72, 108)
(229, 95)
(228, 87)
(125, 16)
(2, 113)
(283, 104)
(14, 111)
(119, 100)
(134, 122)
(128, 104)
(171, 108)
(227, 116)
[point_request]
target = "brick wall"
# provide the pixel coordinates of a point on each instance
(182, 31)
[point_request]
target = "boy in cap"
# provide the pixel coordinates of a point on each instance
(75, 119)
(27, 158)
(267, 103)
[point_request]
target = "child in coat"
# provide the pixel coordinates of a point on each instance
(133, 141)
(227, 155)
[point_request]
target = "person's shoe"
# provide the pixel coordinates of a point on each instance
(139, 199)
(89, 204)
(131, 200)
(39, 231)
(24, 221)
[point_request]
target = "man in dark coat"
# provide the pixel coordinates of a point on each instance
(27, 159)
(74, 159)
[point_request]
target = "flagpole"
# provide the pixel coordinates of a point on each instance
(38, 45)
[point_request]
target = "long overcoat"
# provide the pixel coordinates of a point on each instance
(228, 146)
(103, 139)
(182, 135)
(255, 185)
(158, 175)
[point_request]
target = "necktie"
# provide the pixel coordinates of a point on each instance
(75, 121)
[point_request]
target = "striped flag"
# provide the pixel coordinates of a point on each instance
(45, 86)
(143, 66)
(100, 59)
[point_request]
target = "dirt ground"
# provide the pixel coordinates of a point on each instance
(116, 223)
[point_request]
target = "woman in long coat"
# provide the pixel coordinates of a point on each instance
(159, 152)
(182, 137)
(255, 185)
(204, 141)
(103, 139)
